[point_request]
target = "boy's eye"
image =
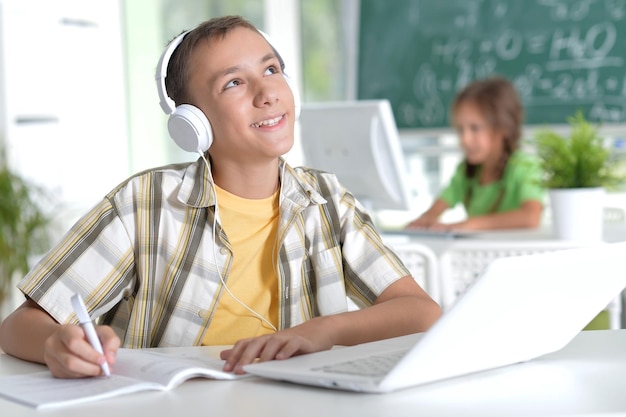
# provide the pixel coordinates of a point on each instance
(232, 83)
(271, 70)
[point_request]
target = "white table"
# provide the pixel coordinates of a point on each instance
(587, 377)
(612, 233)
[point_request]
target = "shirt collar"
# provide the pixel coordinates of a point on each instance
(196, 189)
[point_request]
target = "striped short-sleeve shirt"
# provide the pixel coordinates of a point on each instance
(147, 260)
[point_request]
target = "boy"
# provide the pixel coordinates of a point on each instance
(243, 250)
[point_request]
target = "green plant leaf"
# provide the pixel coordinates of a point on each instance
(580, 160)
(23, 225)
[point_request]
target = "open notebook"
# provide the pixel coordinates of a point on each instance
(518, 309)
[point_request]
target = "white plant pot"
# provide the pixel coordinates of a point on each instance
(577, 213)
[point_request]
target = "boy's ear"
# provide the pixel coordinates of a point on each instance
(190, 128)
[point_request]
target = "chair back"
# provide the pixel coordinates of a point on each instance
(423, 264)
(464, 260)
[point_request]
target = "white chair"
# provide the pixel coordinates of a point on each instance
(614, 215)
(423, 264)
(463, 261)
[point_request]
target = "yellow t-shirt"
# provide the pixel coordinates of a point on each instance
(251, 227)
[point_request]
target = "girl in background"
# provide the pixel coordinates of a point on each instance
(497, 183)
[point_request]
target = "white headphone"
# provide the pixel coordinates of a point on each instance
(187, 124)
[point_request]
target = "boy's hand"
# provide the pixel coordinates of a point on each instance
(68, 354)
(281, 345)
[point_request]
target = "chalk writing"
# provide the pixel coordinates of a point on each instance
(561, 55)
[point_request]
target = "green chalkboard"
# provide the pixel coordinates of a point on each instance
(562, 55)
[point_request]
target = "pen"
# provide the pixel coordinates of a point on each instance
(87, 325)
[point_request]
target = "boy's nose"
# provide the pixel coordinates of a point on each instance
(265, 95)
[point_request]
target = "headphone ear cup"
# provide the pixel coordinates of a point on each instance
(296, 96)
(190, 128)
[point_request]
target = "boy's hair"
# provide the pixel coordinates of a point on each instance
(178, 66)
(500, 104)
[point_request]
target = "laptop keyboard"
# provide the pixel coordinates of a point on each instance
(375, 365)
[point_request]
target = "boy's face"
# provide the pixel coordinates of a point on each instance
(237, 82)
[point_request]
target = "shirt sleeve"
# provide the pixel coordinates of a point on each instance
(93, 257)
(369, 266)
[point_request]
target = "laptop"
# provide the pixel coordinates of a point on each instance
(518, 309)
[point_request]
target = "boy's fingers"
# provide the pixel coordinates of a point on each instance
(110, 342)
(68, 355)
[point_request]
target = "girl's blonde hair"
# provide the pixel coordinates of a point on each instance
(498, 101)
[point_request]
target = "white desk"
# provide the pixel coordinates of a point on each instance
(612, 233)
(586, 378)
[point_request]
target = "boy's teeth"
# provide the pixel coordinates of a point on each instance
(270, 122)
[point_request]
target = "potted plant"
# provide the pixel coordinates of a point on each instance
(577, 170)
(23, 226)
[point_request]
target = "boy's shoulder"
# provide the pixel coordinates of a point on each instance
(308, 174)
(176, 172)
(316, 183)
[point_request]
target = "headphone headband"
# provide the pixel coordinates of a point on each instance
(166, 103)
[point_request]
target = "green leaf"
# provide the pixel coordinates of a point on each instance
(23, 225)
(578, 161)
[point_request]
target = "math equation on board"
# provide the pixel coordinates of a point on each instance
(562, 55)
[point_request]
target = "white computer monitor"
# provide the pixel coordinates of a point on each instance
(358, 141)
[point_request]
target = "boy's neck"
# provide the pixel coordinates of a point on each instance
(252, 181)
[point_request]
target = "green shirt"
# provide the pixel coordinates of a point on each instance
(520, 183)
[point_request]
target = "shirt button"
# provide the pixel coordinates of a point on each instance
(224, 251)
(203, 313)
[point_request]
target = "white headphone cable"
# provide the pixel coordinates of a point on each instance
(219, 273)
(280, 200)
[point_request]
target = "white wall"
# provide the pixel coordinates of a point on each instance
(62, 102)
(63, 92)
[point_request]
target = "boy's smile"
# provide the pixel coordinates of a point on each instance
(268, 123)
